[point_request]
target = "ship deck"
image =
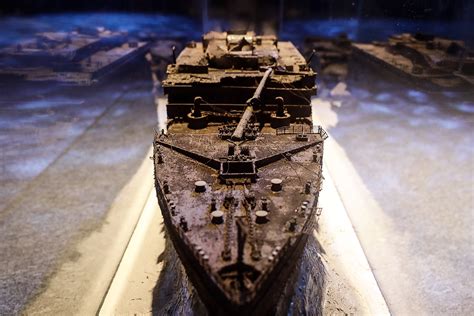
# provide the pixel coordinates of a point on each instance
(270, 239)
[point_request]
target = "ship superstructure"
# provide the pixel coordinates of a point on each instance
(225, 68)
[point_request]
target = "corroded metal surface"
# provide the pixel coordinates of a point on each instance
(424, 59)
(75, 58)
(233, 64)
(239, 200)
(206, 224)
(173, 295)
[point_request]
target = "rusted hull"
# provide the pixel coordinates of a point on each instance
(277, 289)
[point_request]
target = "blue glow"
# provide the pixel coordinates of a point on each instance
(417, 96)
(18, 28)
(383, 97)
(366, 30)
(466, 107)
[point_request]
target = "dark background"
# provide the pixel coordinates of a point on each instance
(407, 9)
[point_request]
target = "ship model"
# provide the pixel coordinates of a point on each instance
(427, 61)
(332, 54)
(238, 170)
(82, 57)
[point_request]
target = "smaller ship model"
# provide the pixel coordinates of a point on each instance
(425, 60)
(75, 58)
(238, 183)
(332, 54)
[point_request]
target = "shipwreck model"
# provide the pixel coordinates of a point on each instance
(332, 54)
(75, 58)
(426, 60)
(238, 171)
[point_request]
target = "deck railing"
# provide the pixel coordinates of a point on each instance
(302, 129)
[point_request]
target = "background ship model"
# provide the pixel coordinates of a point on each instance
(238, 182)
(424, 59)
(331, 53)
(77, 58)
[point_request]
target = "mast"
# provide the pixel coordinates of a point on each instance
(253, 101)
